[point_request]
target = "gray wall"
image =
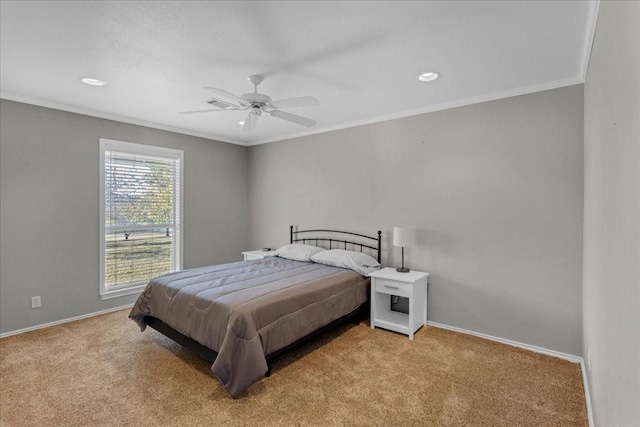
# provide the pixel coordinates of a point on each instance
(612, 216)
(49, 243)
(494, 189)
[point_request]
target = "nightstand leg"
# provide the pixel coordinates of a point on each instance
(372, 314)
(426, 300)
(412, 315)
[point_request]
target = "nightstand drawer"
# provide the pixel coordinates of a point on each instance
(393, 287)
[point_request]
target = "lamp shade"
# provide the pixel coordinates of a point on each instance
(403, 236)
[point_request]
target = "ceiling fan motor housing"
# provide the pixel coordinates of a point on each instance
(256, 98)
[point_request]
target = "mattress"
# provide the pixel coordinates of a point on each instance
(247, 310)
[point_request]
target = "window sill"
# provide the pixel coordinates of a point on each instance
(105, 295)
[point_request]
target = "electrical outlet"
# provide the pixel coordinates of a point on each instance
(36, 302)
(589, 359)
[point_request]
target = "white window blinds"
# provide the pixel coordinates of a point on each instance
(141, 214)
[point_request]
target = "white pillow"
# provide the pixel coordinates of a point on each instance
(356, 261)
(298, 251)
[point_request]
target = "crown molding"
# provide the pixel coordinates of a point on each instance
(524, 90)
(115, 117)
(589, 35)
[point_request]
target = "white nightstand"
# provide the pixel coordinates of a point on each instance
(259, 254)
(388, 282)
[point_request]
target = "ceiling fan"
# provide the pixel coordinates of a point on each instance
(257, 103)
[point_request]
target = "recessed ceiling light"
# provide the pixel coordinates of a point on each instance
(427, 77)
(241, 123)
(92, 82)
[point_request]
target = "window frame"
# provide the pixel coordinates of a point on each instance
(148, 150)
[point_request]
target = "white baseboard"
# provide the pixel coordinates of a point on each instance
(587, 394)
(70, 319)
(565, 356)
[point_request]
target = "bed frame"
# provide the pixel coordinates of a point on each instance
(356, 316)
(318, 240)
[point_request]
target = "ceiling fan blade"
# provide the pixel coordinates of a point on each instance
(236, 101)
(293, 118)
(205, 111)
(217, 103)
(304, 101)
(250, 122)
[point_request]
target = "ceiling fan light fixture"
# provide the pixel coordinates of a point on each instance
(92, 81)
(428, 77)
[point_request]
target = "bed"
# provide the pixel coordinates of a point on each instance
(241, 316)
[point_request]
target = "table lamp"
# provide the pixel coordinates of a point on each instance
(403, 236)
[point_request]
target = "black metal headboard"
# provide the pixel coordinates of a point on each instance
(342, 243)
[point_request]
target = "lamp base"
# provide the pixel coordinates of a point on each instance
(402, 270)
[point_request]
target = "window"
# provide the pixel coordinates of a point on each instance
(140, 215)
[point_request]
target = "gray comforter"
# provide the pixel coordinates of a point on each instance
(247, 310)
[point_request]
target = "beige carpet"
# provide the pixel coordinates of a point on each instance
(102, 371)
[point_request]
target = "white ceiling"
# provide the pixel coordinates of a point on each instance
(361, 59)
